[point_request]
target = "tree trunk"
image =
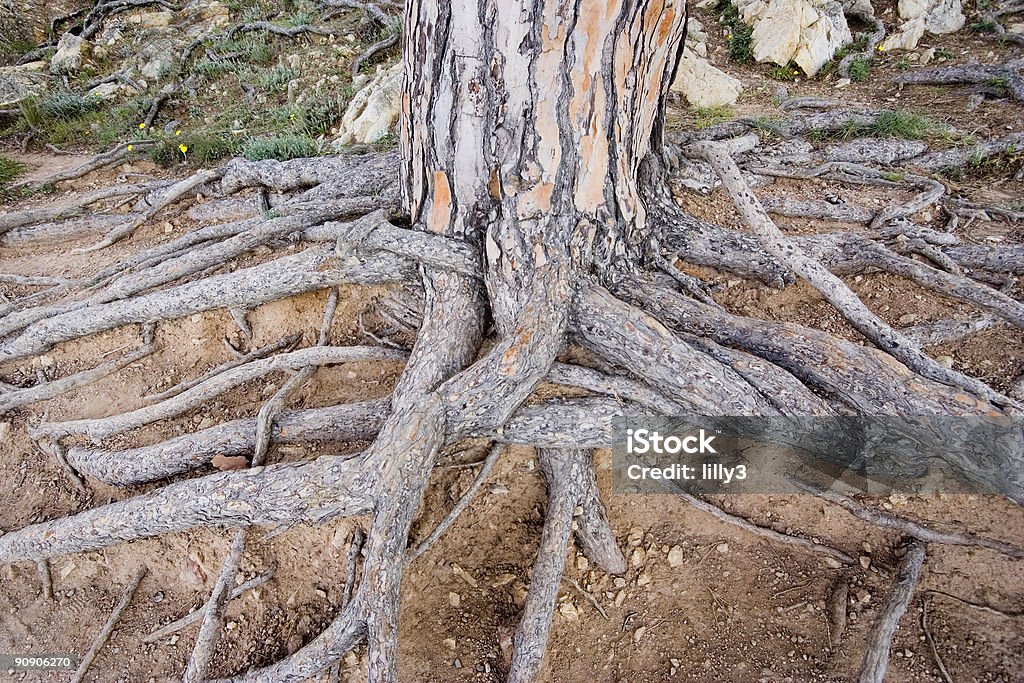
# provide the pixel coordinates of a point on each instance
(529, 126)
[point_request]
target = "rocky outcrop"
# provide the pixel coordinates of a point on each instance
(807, 32)
(697, 80)
(374, 109)
(932, 16)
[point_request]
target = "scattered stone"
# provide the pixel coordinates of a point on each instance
(464, 575)
(675, 556)
(865, 561)
(454, 599)
(19, 82)
(723, 548)
(945, 361)
(568, 610)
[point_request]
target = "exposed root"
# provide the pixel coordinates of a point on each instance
(286, 31)
(276, 494)
(209, 629)
(957, 157)
(341, 423)
(193, 617)
(74, 207)
(101, 428)
(876, 657)
(107, 158)
(108, 628)
(373, 50)
(562, 470)
(859, 377)
(912, 528)
(464, 501)
(48, 390)
(167, 197)
(831, 287)
(931, 643)
(262, 352)
(45, 578)
(764, 532)
(945, 331)
(1003, 79)
(306, 271)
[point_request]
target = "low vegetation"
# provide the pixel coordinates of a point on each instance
(704, 117)
(739, 37)
(9, 170)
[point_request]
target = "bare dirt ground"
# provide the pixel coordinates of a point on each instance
(735, 608)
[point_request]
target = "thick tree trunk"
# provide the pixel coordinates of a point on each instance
(527, 126)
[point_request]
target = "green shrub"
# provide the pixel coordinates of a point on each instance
(860, 69)
(784, 73)
(273, 80)
(66, 106)
(740, 36)
(201, 148)
(985, 26)
(281, 148)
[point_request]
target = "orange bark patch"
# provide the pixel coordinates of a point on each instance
(441, 207)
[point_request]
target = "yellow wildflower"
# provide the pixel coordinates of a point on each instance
(183, 148)
(130, 147)
(141, 126)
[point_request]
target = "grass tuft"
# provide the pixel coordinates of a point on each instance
(860, 69)
(9, 170)
(709, 116)
(784, 73)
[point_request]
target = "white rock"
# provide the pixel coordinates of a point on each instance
(675, 557)
(373, 110)
(807, 32)
(697, 80)
(934, 16)
(928, 55)
(704, 85)
(71, 51)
